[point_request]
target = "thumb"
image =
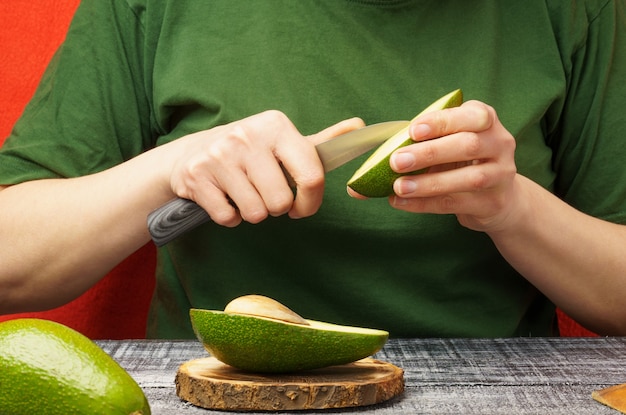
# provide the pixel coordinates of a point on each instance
(334, 130)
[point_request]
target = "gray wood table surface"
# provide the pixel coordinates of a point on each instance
(443, 376)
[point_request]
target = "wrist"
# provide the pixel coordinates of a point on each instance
(518, 216)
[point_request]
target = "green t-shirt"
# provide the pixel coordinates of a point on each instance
(138, 73)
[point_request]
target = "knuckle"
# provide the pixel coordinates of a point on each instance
(448, 204)
(310, 181)
(255, 216)
(276, 119)
(510, 144)
(280, 204)
(274, 114)
(434, 186)
(473, 145)
(428, 152)
(237, 134)
(483, 114)
(441, 121)
(191, 172)
(478, 179)
(511, 171)
(191, 177)
(306, 211)
(226, 218)
(215, 154)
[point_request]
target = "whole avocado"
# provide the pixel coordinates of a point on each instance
(49, 368)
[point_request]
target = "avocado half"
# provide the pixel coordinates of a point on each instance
(266, 345)
(375, 177)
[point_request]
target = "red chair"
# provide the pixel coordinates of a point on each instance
(116, 307)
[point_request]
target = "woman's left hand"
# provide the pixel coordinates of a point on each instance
(471, 167)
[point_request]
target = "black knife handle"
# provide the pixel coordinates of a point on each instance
(175, 218)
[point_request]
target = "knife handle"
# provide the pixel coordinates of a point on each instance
(181, 215)
(175, 218)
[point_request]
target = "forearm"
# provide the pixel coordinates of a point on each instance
(575, 259)
(60, 236)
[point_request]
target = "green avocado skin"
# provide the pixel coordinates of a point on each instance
(48, 368)
(378, 180)
(268, 346)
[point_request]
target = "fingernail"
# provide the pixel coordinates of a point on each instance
(405, 186)
(420, 130)
(399, 201)
(402, 161)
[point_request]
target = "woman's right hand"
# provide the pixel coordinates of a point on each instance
(235, 171)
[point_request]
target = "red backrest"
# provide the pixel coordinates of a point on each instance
(30, 32)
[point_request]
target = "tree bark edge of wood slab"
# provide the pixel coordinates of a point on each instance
(211, 384)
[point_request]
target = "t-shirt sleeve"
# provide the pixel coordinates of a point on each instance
(90, 111)
(590, 142)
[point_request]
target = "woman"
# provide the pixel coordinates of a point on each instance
(522, 207)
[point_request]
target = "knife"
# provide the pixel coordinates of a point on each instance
(180, 215)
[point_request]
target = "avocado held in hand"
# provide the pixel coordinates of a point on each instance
(375, 177)
(258, 334)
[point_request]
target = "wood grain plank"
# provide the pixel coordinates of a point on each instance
(443, 376)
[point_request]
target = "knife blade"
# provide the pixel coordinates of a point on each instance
(180, 215)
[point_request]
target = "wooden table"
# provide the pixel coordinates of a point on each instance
(443, 376)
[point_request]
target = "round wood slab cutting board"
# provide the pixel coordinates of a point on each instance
(211, 384)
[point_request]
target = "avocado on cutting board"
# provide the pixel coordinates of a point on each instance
(266, 357)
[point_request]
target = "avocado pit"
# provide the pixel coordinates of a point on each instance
(261, 306)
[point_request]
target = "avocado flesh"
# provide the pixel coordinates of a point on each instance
(375, 177)
(265, 345)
